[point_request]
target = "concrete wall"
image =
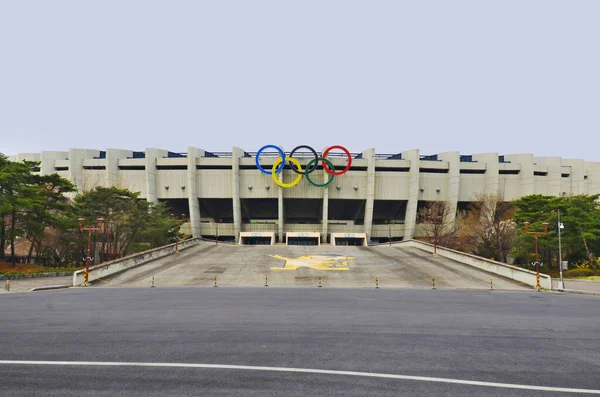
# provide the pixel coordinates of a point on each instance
(119, 265)
(502, 269)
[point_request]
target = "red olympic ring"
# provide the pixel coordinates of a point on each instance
(326, 168)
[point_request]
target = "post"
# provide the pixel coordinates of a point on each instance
(89, 246)
(561, 285)
(390, 232)
(537, 255)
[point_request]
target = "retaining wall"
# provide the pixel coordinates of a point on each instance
(128, 262)
(502, 269)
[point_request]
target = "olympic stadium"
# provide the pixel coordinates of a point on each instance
(317, 195)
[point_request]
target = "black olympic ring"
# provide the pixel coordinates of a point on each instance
(313, 166)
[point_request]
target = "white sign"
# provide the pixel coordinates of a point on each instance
(348, 235)
(564, 265)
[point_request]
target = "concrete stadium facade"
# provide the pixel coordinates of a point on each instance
(224, 194)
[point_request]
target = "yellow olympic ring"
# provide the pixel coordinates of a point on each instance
(298, 167)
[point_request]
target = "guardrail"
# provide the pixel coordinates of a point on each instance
(119, 265)
(502, 269)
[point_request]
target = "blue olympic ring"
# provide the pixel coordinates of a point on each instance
(279, 169)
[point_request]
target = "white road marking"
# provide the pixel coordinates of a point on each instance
(303, 370)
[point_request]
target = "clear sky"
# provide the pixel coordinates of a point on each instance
(470, 76)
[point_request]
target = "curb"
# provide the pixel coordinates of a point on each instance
(34, 275)
(578, 292)
(50, 287)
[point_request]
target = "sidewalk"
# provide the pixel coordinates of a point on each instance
(24, 285)
(578, 285)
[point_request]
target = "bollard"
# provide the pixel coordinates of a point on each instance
(152, 286)
(320, 284)
(433, 281)
(537, 282)
(376, 282)
(215, 281)
(7, 285)
(266, 280)
(86, 275)
(491, 284)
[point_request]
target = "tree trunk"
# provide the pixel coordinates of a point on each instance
(32, 241)
(13, 222)
(2, 235)
(590, 257)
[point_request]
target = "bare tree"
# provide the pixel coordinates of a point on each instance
(492, 230)
(440, 224)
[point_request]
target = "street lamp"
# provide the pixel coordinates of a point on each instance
(537, 255)
(88, 258)
(561, 285)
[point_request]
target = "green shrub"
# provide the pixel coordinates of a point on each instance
(578, 272)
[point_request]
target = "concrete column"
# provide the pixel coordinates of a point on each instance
(235, 191)
(525, 162)
(151, 187)
(280, 214)
(76, 157)
(592, 183)
(112, 165)
(410, 218)
(453, 159)
(492, 172)
(576, 176)
(48, 159)
(192, 189)
(325, 219)
(553, 180)
(369, 154)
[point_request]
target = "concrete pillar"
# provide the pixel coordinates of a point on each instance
(410, 218)
(280, 214)
(325, 219)
(192, 189)
(48, 159)
(235, 191)
(151, 187)
(112, 165)
(525, 162)
(369, 154)
(453, 159)
(553, 180)
(592, 183)
(492, 172)
(76, 157)
(576, 176)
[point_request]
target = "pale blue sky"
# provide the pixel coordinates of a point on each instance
(473, 76)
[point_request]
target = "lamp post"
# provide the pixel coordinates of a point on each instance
(561, 285)
(88, 257)
(537, 255)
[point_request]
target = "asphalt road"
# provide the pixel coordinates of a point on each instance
(525, 338)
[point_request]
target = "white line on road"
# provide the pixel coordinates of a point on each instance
(303, 370)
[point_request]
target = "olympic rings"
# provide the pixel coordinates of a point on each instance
(330, 175)
(295, 165)
(308, 169)
(274, 172)
(326, 152)
(269, 147)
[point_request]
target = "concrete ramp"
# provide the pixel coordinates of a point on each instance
(303, 266)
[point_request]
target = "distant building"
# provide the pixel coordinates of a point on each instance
(380, 194)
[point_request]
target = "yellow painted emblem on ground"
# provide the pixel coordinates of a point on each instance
(317, 262)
